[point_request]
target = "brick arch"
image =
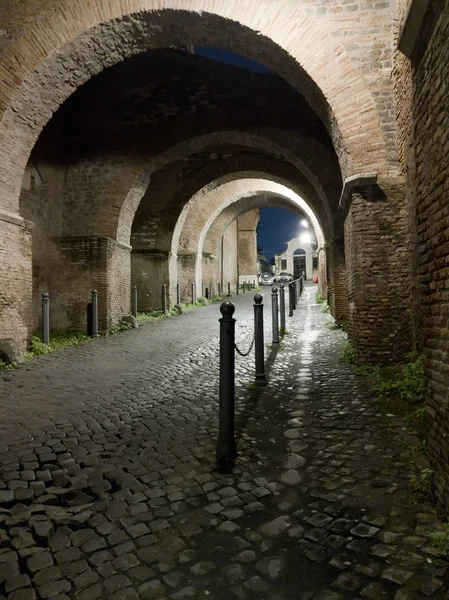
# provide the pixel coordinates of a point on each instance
(116, 216)
(240, 207)
(194, 222)
(42, 70)
(250, 191)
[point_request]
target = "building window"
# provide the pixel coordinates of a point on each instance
(315, 262)
(283, 265)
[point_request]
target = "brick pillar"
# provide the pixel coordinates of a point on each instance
(322, 272)
(337, 281)
(16, 278)
(247, 246)
(378, 273)
(80, 265)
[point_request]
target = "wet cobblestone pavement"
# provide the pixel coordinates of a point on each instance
(108, 487)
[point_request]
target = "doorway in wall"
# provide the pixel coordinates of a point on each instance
(299, 263)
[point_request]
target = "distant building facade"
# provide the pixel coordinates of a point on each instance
(300, 258)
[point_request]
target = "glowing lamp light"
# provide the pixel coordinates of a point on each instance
(304, 223)
(305, 238)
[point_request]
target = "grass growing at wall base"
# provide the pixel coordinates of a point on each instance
(65, 339)
(347, 352)
(58, 341)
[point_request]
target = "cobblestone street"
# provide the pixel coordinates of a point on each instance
(108, 486)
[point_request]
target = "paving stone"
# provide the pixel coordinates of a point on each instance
(375, 591)
(397, 575)
(202, 568)
(271, 567)
(276, 527)
(364, 531)
(47, 575)
(256, 584)
(126, 594)
(91, 593)
(68, 555)
(23, 594)
(141, 573)
(347, 582)
(43, 530)
(54, 588)
(291, 477)
(85, 579)
(151, 589)
(73, 569)
(17, 582)
(39, 562)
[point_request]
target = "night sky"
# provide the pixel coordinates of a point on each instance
(277, 225)
(231, 58)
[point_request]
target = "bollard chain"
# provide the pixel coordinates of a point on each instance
(250, 348)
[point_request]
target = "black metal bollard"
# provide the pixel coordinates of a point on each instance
(193, 293)
(164, 299)
(134, 302)
(95, 314)
(282, 305)
(274, 315)
(259, 341)
(46, 318)
(226, 446)
(294, 295)
(229, 289)
(178, 294)
(210, 291)
(237, 286)
(290, 299)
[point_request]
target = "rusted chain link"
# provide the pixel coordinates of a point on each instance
(250, 348)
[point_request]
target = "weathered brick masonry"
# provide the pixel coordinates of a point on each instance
(378, 267)
(430, 178)
(127, 170)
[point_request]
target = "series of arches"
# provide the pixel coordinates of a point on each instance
(169, 183)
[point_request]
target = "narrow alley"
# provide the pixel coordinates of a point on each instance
(109, 487)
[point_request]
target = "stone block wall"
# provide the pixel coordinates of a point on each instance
(378, 274)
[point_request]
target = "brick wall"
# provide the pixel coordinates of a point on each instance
(149, 272)
(16, 279)
(80, 265)
(337, 280)
(430, 75)
(378, 273)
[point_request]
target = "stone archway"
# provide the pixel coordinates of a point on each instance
(194, 222)
(102, 38)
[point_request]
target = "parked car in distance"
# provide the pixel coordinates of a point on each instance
(266, 279)
(284, 276)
